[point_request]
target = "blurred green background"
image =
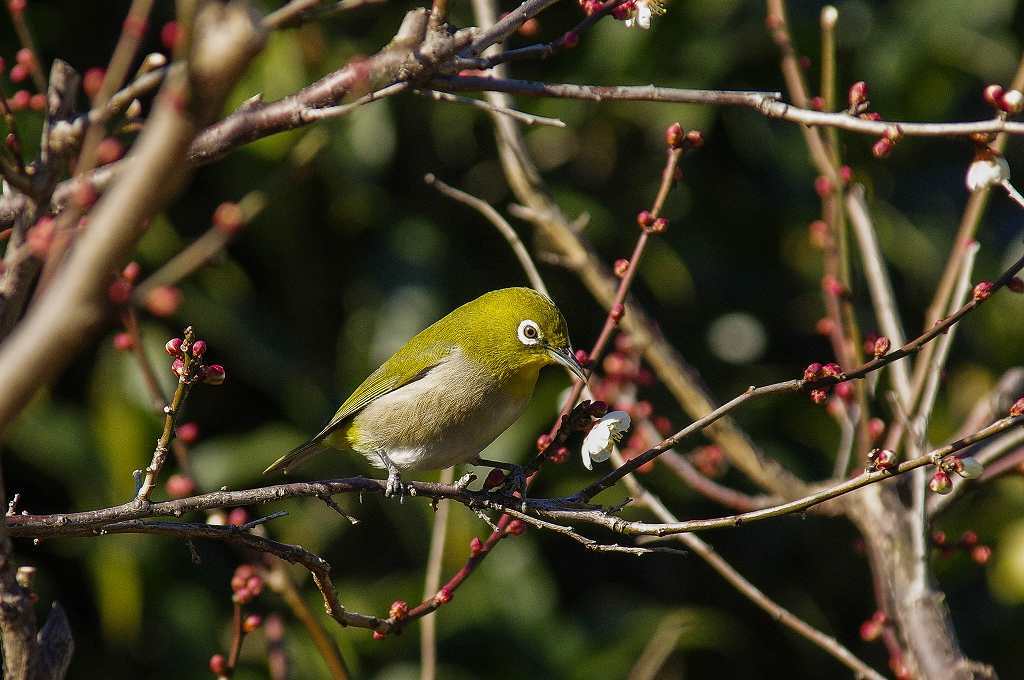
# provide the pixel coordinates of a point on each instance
(354, 254)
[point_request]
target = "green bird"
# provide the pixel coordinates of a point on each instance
(451, 389)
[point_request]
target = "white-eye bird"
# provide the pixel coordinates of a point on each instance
(451, 389)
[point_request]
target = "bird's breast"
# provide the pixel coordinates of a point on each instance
(446, 417)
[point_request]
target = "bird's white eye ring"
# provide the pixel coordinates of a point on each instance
(529, 332)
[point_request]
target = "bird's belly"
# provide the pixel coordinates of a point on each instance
(441, 420)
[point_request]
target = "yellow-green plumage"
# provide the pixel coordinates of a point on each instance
(453, 388)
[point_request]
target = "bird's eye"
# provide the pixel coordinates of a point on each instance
(529, 332)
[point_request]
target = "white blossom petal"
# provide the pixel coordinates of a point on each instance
(603, 436)
(987, 172)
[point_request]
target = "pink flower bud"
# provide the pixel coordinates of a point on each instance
(582, 357)
(215, 375)
(443, 596)
(40, 237)
(621, 266)
(824, 326)
(983, 291)
(882, 148)
(831, 370)
(969, 538)
(25, 57)
(993, 96)
(476, 546)
(559, 455)
(570, 40)
(659, 226)
(228, 218)
(119, 292)
(844, 391)
(940, 483)
(37, 102)
(173, 347)
(218, 664)
(881, 459)
(92, 81)
(169, 33)
(876, 426)
(644, 218)
(18, 74)
(109, 150)
(858, 94)
(543, 442)
(870, 630)
(845, 173)
(981, 554)
(819, 396)
(198, 348)
(238, 516)
(674, 136)
(617, 312)
(399, 610)
(530, 28)
(123, 342)
(379, 635)
(131, 271)
(180, 486)
(812, 372)
(695, 139)
(178, 367)
(163, 301)
(251, 623)
(833, 286)
(17, 6)
(882, 345)
(816, 103)
(515, 527)
(188, 432)
(823, 186)
(1012, 101)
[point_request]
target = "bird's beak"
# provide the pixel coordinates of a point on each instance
(567, 358)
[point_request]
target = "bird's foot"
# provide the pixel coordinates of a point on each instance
(515, 482)
(394, 486)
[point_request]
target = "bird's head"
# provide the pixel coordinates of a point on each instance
(515, 328)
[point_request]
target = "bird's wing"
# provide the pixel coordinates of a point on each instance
(407, 365)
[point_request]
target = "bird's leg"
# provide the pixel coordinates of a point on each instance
(394, 485)
(517, 474)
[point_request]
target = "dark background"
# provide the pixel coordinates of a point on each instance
(354, 254)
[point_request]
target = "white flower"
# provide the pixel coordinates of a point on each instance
(642, 12)
(987, 170)
(606, 433)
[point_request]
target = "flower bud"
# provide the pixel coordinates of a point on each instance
(123, 342)
(530, 28)
(881, 459)
(660, 226)
(251, 623)
(131, 271)
(833, 286)
(179, 486)
(1018, 408)
(443, 596)
(882, 148)
(695, 139)
(178, 367)
(819, 396)
(570, 40)
(831, 370)
(981, 554)
(119, 292)
(495, 478)
(817, 232)
(816, 103)
(173, 347)
(844, 391)
(870, 630)
(812, 372)
(939, 537)
(515, 527)
(823, 186)
(399, 610)
(169, 33)
(618, 311)
(228, 218)
(1016, 284)
(845, 173)
(18, 74)
(882, 345)
(37, 102)
(674, 136)
(940, 483)
(109, 150)
(982, 291)
(379, 635)
(876, 426)
(968, 467)
(858, 94)
(620, 267)
(17, 6)
(644, 218)
(218, 664)
(163, 301)
(187, 432)
(543, 442)
(215, 375)
(993, 96)
(582, 357)
(476, 546)
(198, 348)
(1012, 101)
(559, 455)
(237, 517)
(969, 538)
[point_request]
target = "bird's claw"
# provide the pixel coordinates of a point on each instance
(515, 482)
(396, 487)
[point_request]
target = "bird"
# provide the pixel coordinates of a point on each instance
(450, 390)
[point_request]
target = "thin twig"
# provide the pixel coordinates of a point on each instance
(522, 117)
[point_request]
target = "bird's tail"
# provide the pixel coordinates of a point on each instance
(297, 456)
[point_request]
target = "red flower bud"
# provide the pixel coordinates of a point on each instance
(476, 546)
(228, 218)
(812, 371)
(969, 538)
(188, 432)
(819, 396)
(131, 271)
(620, 267)
(215, 375)
(570, 40)
(858, 94)
(833, 286)
(940, 482)
(515, 527)
(529, 28)
(123, 342)
(831, 370)
(644, 218)
(1018, 408)
(37, 102)
(823, 185)
(981, 554)
(119, 292)
(882, 148)
(559, 455)
(543, 442)
(379, 635)
(939, 537)
(109, 150)
(993, 95)
(17, 6)
(876, 426)
(173, 347)
(399, 610)
(169, 35)
(180, 486)
(238, 516)
(163, 301)
(881, 459)
(824, 326)
(18, 74)
(92, 81)
(495, 478)
(198, 348)
(659, 226)
(844, 391)
(816, 103)
(882, 345)
(983, 291)
(674, 136)
(582, 357)
(1012, 101)
(870, 630)
(694, 139)
(845, 173)
(617, 312)
(252, 622)
(443, 596)
(218, 664)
